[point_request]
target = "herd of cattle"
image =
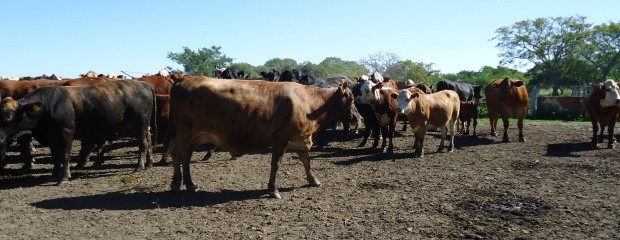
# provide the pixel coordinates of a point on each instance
(242, 116)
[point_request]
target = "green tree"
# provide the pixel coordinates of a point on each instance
(201, 62)
(281, 63)
(601, 49)
(333, 66)
(419, 72)
(544, 42)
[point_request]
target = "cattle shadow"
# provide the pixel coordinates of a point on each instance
(463, 141)
(568, 149)
(135, 199)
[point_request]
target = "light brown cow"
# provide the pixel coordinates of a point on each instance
(506, 98)
(244, 116)
(424, 111)
(467, 113)
(604, 108)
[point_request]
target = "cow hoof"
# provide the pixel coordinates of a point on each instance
(315, 183)
(611, 146)
(505, 140)
(191, 189)
(62, 183)
(175, 187)
(80, 166)
(521, 139)
(275, 194)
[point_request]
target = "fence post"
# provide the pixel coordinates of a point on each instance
(534, 99)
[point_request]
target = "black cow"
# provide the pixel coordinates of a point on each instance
(226, 73)
(93, 114)
(290, 76)
(466, 91)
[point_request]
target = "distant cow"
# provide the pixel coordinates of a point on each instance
(604, 108)
(467, 114)
(439, 110)
(506, 98)
(466, 91)
(246, 116)
(371, 122)
(57, 115)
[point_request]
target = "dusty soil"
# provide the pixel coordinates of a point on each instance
(554, 186)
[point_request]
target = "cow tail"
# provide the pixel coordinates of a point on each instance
(154, 118)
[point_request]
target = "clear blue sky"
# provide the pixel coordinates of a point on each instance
(69, 37)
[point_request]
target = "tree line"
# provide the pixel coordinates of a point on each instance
(560, 51)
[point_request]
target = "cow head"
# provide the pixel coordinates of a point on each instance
(612, 95)
(351, 113)
(368, 93)
(507, 86)
(404, 101)
(16, 117)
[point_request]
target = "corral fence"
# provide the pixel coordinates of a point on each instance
(570, 106)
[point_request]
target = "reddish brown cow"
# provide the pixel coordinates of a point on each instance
(243, 116)
(506, 98)
(468, 112)
(162, 84)
(604, 108)
(439, 110)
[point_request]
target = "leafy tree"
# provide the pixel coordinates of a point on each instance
(333, 66)
(416, 71)
(601, 49)
(245, 67)
(380, 61)
(281, 63)
(201, 62)
(545, 42)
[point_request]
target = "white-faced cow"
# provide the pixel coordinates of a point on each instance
(57, 115)
(438, 110)
(604, 108)
(506, 98)
(245, 116)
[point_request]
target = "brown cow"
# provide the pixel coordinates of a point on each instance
(506, 98)
(162, 84)
(244, 116)
(440, 109)
(604, 108)
(385, 108)
(468, 112)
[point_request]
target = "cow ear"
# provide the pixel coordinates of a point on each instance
(345, 84)
(394, 95)
(518, 83)
(32, 107)
(415, 95)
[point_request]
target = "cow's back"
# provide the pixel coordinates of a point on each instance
(441, 107)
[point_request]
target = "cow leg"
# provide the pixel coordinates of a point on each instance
(594, 133)
(405, 122)
(181, 156)
(365, 136)
(85, 150)
(391, 132)
(384, 134)
(520, 126)
(444, 130)
(145, 158)
(601, 137)
(25, 145)
(276, 156)
(506, 123)
(493, 122)
(475, 124)
(376, 135)
(611, 139)
(451, 129)
(305, 159)
(419, 152)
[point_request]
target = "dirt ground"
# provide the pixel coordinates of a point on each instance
(554, 186)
